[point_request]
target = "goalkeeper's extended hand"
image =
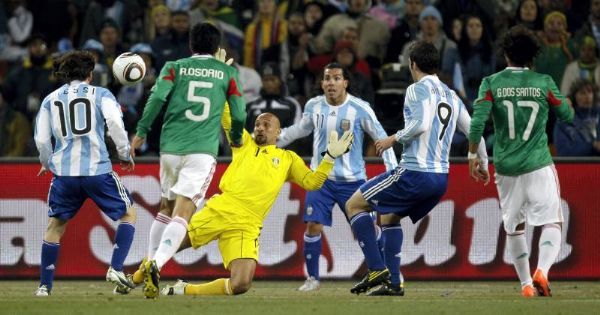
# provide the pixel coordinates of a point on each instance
(336, 147)
(221, 55)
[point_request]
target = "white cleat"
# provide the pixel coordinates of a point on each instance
(311, 284)
(123, 283)
(177, 289)
(42, 291)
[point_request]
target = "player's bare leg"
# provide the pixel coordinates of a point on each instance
(549, 247)
(357, 209)
(516, 244)
(50, 247)
(123, 239)
(240, 281)
(312, 253)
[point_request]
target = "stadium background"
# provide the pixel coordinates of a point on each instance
(461, 239)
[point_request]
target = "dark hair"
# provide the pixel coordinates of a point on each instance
(483, 48)
(537, 24)
(345, 73)
(425, 55)
(520, 46)
(180, 12)
(205, 38)
(579, 84)
(335, 65)
(74, 65)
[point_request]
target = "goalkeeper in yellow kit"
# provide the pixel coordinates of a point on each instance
(249, 188)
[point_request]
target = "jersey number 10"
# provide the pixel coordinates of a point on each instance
(73, 109)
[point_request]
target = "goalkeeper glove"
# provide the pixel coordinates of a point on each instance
(221, 55)
(336, 147)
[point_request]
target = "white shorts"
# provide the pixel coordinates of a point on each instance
(186, 175)
(533, 198)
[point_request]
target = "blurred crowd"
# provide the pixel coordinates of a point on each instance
(281, 47)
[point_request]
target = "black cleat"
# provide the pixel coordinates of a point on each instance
(372, 279)
(388, 289)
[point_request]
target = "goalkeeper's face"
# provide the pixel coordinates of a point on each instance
(266, 129)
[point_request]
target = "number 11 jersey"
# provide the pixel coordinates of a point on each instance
(519, 100)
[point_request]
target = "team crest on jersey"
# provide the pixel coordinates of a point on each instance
(345, 124)
(275, 162)
(309, 210)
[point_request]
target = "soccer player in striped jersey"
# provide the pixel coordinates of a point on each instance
(195, 90)
(432, 112)
(75, 115)
(519, 101)
(335, 110)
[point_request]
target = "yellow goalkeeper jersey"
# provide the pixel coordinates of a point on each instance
(255, 176)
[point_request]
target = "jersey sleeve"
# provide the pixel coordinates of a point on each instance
(113, 116)
(559, 104)
(300, 129)
(463, 124)
(43, 133)
(159, 93)
(481, 111)
(237, 107)
(416, 95)
(226, 124)
(300, 174)
(375, 130)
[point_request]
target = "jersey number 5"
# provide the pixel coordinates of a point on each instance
(535, 107)
(192, 97)
(74, 106)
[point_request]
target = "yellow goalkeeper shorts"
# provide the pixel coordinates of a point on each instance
(235, 240)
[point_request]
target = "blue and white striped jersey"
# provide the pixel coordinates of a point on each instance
(75, 115)
(353, 114)
(432, 112)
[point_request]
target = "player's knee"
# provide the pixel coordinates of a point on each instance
(314, 228)
(240, 286)
(130, 216)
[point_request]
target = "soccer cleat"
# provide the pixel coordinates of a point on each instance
(119, 279)
(528, 291)
(42, 290)
(177, 289)
(388, 289)
(540, 282)
(151, 279)
(311, 284)
(372, 279)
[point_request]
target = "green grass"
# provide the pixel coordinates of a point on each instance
(267, 297)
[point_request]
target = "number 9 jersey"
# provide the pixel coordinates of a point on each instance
(519, 100)
(432, 112)
(195, 90)
(75, 115)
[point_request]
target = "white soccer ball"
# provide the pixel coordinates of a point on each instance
(129, 68)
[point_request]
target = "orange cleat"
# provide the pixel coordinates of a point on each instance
(540, 282)
(528, 291)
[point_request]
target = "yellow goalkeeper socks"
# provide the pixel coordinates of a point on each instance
(217, 287)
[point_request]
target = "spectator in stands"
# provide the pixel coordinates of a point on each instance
(110, 37)
(27, 82)
(102, 75)
(345, 54)
(476, 55)
(558, 49)
(591, 26)
(298, 48)
(430, 21)
(405, 31)
(457, 28)
(586, 67)
(221, 15)
(174, 44)
(15, 131)
(19, 25)
(389, 12)
(580, 137)
(374, 35)
(314, 17)
(159, 23)
(264, 36)
(529, 14)
(450, 9)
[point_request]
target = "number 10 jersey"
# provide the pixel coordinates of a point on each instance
(519, 100)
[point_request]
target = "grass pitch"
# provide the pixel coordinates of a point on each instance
(267, 297)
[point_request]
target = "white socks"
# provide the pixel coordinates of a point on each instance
(517, 247)
(549, 247)
(171, 240)
(156, 231)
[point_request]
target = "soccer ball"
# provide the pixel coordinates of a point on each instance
(129, 68)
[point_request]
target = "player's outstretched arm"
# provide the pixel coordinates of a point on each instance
(298, 130)
(226, 125)
(313, 180)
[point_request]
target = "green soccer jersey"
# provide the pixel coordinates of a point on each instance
(195, 90)
(519, 100)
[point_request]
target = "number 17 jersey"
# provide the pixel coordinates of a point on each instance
(519, 100)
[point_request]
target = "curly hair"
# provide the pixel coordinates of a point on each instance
(520, 46)
(74, 65)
